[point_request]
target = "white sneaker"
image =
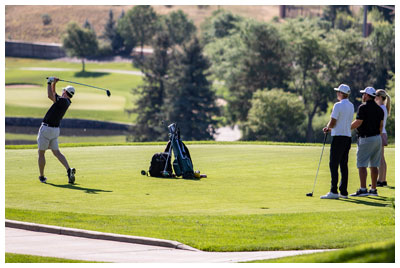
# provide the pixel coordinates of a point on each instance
(343, 196)
(330, 195)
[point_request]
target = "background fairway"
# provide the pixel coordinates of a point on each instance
(89, 103)
(253, 199)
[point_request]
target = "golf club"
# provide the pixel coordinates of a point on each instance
(315, 180)
(108, 92)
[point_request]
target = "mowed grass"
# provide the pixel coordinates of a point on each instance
(88, 103)
(381, 252)
(23, 258)
(253, 198)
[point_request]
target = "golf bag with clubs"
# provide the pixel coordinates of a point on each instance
(160, 165)
(182, 164)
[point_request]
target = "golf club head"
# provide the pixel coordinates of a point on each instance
(309, 194)
(108, 93)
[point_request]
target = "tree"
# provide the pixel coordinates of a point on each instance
(275, 115)
(138, 26)
(309, 55)
(190, 101)
(221, 24)
(180, 28)
(330, 13)
(149, 105)
(253, 57)
(111, 34)
(351, 62)
(383, 52)
(79, 42)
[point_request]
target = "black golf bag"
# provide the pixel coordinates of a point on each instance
(160, 165)
(182, 164)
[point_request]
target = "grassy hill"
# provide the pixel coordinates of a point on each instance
(24, 22)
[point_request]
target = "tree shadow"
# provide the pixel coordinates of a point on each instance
(76, 187)
(90, 74)
(368, 201)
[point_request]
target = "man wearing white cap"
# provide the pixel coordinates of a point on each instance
(339, 126)
(369, 123)
(50, 128)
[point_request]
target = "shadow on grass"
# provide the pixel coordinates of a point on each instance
(90, 74)
(369, 201)
(76, 187)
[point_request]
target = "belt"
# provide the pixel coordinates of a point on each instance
(367, 136)
(47, 125)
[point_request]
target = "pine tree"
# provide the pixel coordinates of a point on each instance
(190, 101)
(149, 107)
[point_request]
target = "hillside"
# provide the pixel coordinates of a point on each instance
(24, 23)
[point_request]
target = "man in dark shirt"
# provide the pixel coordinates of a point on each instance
(369, 123)
(50, 128)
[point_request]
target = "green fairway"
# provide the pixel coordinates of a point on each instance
(31, 101)
(253, 198)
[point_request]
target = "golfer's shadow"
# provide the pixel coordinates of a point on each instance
(369, 203)
(76, 187)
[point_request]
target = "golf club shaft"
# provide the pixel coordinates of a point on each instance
(316, 175)
(82, 84)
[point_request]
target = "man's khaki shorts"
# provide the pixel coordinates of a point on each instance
(48, 138)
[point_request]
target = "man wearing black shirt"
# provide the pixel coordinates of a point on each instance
(50, 128)
(369, 123)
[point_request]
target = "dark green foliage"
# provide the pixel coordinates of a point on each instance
(149, 106)
(190, 101)
(275, 115)
(179, 27)
(330, 13)
(383, 52)
(309, 55)
(111, 34)
(80, 42)
(46, 19)
(222, 23)
(138, 26)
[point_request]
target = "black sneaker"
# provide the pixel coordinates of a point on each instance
(373, 192)
(360, 193)
(381, 183)
(42, 179)
(71, 175)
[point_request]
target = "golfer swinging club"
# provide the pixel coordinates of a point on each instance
(50, 128)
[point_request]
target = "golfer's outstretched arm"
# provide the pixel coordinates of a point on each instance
(51, 89)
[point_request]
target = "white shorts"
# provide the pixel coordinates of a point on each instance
(48, 138)
(369, 151)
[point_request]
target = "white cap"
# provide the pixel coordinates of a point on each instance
(343, 88)
(70, 90)
(370, 91)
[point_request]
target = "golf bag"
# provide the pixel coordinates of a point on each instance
(160, 165)
(182, 164)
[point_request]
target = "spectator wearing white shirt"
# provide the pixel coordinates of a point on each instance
(383, 100)
(339, 126)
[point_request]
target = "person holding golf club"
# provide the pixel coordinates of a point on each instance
(369, 124)
(50, 128)
(383, 100)
(339, 126)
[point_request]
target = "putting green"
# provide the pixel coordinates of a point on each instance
(36, 97)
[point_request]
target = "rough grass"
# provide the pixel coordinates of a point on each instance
(253, 198)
